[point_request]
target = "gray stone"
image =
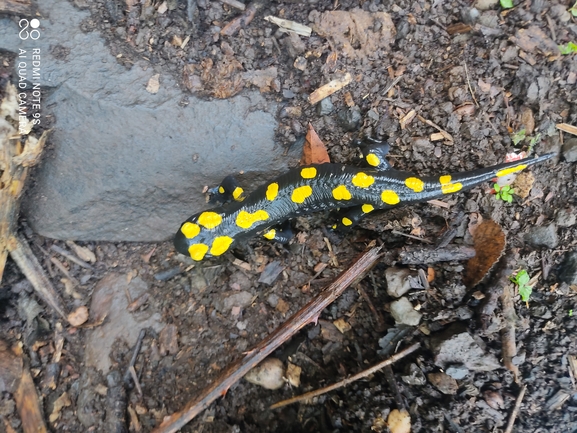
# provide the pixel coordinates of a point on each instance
(397, 281)
(457, 346)
(443, 382)
(568, 269)
(403, 312)
(566, 217)
(127, 164)
(543, 236)
(415, 376)
(241, 299)
(325, 107)
(484, 5)
(570, 150)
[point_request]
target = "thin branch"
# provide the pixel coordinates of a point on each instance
(509, 428)
(362, 374)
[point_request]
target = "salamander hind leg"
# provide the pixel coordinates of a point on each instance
(374, 153)
(228, 190)
(352, 217)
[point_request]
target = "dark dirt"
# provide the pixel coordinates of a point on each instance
(518, 81)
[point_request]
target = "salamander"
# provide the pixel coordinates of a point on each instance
(319, 187)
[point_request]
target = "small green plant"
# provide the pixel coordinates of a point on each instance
(571, 313)
(568, 48)
(521, 279)
(519, 136)
(533, 142)
(573, 10)
(506, 4)
(504, 193)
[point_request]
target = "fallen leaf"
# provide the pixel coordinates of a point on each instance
(293, 374)
(489, 243)
(314, 150)
(59, 403)
(342, 325)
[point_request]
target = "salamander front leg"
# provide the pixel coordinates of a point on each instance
(282, 233)
(227, 190)
(374, 153)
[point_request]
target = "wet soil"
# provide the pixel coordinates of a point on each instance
(482, 76)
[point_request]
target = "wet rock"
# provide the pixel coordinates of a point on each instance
(568, 269)
(457, 346)
(325, 107)
(443, 382)
(349, 119)
(570, 150)
(150, 156)
(457, 372)
(403, 312)
(397, 281)
(109, 301)
(484, 5)
(566, 217)
(541, 312)
(415, 376)
(543, 236)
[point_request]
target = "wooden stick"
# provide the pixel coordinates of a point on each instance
(28, 264)
(362, 374)
(309, 313)
(509, 428)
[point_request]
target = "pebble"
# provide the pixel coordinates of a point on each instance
(269, 374)
(457, 371)
(484, 5)
(543, 236)
(349, 119)
(570, 150)
(325, 107)
(397, 281)
(456, 346)
(240, 299)
(568, 270)
(566, 217)
(403, 312)
(415, 376)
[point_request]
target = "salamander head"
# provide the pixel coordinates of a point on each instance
(197, 240)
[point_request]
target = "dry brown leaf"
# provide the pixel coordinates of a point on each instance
(78, 316)
(533, 39)
(314, 150)
(489, 242)
(82, 252)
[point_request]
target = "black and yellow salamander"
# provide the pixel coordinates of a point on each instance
(319, 187)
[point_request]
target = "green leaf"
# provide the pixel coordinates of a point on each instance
(496, 187)
(522, 278)
(525, 292)
(573, 10)
(509, 199)
(506, 4)
(568, 48)
(518, 137)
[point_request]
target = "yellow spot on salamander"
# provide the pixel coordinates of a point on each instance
(363, 180)
(237, 194)
(301, 193)
(445, 179)
(190, 230)
(390, 197)
(347, 222)
(220, 245)
(197, 251)
(341, 193)
(367, 208)
(308, 173)
(209, 219)
(272, 191)
(221, 189)
(270, 234)
(510, 170)
(245, 219)
(373, 159)
(415, 184)
(451, 187)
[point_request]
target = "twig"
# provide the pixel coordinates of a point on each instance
(397, 232)
(394, 83)
(70, 257)
(447, 136)
(134, 376)
(28, 264)
(135, 353)
(362, 374)
(309, 313)
(63, 269)
(469, 84)
(378, 317)
(242, 20)
(509, 428)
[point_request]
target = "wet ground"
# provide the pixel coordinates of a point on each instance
(482, 76)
